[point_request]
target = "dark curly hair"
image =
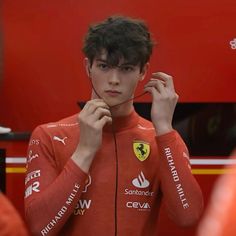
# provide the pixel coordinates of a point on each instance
(121, 37)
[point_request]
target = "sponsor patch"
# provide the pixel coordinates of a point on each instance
(141, 149)
(140, 181)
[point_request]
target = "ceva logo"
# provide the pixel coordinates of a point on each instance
(138, 205)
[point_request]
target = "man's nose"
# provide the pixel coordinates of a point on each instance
(114, 77)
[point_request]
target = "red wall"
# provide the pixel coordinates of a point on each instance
(43, 63)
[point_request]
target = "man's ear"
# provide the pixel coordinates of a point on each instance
(144, 71)
(87, 66)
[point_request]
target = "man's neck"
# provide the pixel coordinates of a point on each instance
(122, 110)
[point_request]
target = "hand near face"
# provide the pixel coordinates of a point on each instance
(164, 97)
(92, 119)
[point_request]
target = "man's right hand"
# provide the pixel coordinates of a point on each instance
(92, 119)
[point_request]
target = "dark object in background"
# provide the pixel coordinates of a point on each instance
(3, 170)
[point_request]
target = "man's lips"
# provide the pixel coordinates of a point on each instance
(112, 92)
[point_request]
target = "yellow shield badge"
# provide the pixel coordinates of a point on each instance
(141, 149)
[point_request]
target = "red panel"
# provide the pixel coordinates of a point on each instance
(43, 64)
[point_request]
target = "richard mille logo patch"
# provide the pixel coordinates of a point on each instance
(62, 140)
(141, 149)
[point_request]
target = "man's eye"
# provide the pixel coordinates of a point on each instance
(102, 66)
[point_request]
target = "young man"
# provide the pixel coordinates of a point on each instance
(106, 170)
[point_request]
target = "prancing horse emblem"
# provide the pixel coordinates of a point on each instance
(141, 149)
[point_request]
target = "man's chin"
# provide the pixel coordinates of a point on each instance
(113, 102)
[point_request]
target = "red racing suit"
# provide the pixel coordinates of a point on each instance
(60, 199)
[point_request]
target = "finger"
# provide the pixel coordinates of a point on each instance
(168, 79)
(92, 105)
(152, 82)
(153, 91)
(104, 120)
(157, 84)
(98, 103)
(100, 112)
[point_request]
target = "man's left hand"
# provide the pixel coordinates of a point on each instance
(161, 87)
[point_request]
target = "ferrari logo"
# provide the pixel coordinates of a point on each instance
(141, 149)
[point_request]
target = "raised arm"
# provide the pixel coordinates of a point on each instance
(50, 195)
(181, 192)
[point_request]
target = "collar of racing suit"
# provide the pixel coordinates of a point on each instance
(123, 122)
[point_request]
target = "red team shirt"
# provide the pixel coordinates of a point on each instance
(61, 199)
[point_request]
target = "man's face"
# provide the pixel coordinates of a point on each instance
(113, 84)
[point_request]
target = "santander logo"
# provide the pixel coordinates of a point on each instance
(140, 181)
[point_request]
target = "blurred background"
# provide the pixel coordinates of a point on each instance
(42, 77)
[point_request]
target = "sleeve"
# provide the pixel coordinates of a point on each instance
(182, 195)
(11, 223)
(50, 195)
